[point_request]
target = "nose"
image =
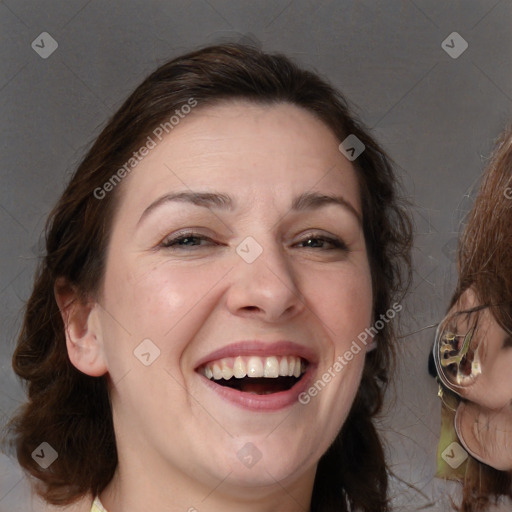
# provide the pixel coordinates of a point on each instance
(265, 288)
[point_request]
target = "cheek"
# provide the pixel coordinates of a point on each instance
(149, 300)
(343, 301)
(161, 302)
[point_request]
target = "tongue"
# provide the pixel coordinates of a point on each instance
(262, 386)
(259, 385)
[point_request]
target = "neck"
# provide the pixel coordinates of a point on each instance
(144, 484)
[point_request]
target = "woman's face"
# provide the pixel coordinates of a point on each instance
(237, 248)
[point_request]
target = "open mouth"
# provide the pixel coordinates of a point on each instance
(254, 374)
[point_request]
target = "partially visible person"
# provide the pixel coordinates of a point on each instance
(473, 349)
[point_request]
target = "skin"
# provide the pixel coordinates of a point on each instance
(486, 433)
(177, 440)
(484, 421)
(492, 387)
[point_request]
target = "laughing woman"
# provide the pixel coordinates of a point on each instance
(193, 339)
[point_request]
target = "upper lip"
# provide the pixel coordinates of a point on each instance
(259, 348)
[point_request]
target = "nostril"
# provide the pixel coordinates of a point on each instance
(251, 308)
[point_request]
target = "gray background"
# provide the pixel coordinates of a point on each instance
(436, 115)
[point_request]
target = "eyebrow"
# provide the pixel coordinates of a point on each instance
(304, 202)
(314, 200)
(204, 199)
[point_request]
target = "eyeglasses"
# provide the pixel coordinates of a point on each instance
(456, 350)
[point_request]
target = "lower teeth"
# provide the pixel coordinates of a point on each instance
(259, 386)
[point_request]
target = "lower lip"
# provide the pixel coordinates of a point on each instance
(270, 402)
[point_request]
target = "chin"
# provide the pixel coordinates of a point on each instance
(266, 475)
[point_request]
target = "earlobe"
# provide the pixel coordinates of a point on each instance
(84, 340)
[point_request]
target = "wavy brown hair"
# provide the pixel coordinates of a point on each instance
(70, 410)
(485, 264)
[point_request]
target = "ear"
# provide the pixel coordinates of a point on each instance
(485, 434)
(84, 341)
(487, 362)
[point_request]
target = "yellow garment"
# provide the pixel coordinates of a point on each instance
(97, 506)
(447, 465)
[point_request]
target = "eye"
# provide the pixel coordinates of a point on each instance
(316, 241)
(186, 241)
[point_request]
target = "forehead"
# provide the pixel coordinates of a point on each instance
(267, 152)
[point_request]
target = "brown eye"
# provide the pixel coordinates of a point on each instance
(322, 242)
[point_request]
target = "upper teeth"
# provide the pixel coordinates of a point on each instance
(254, 366)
